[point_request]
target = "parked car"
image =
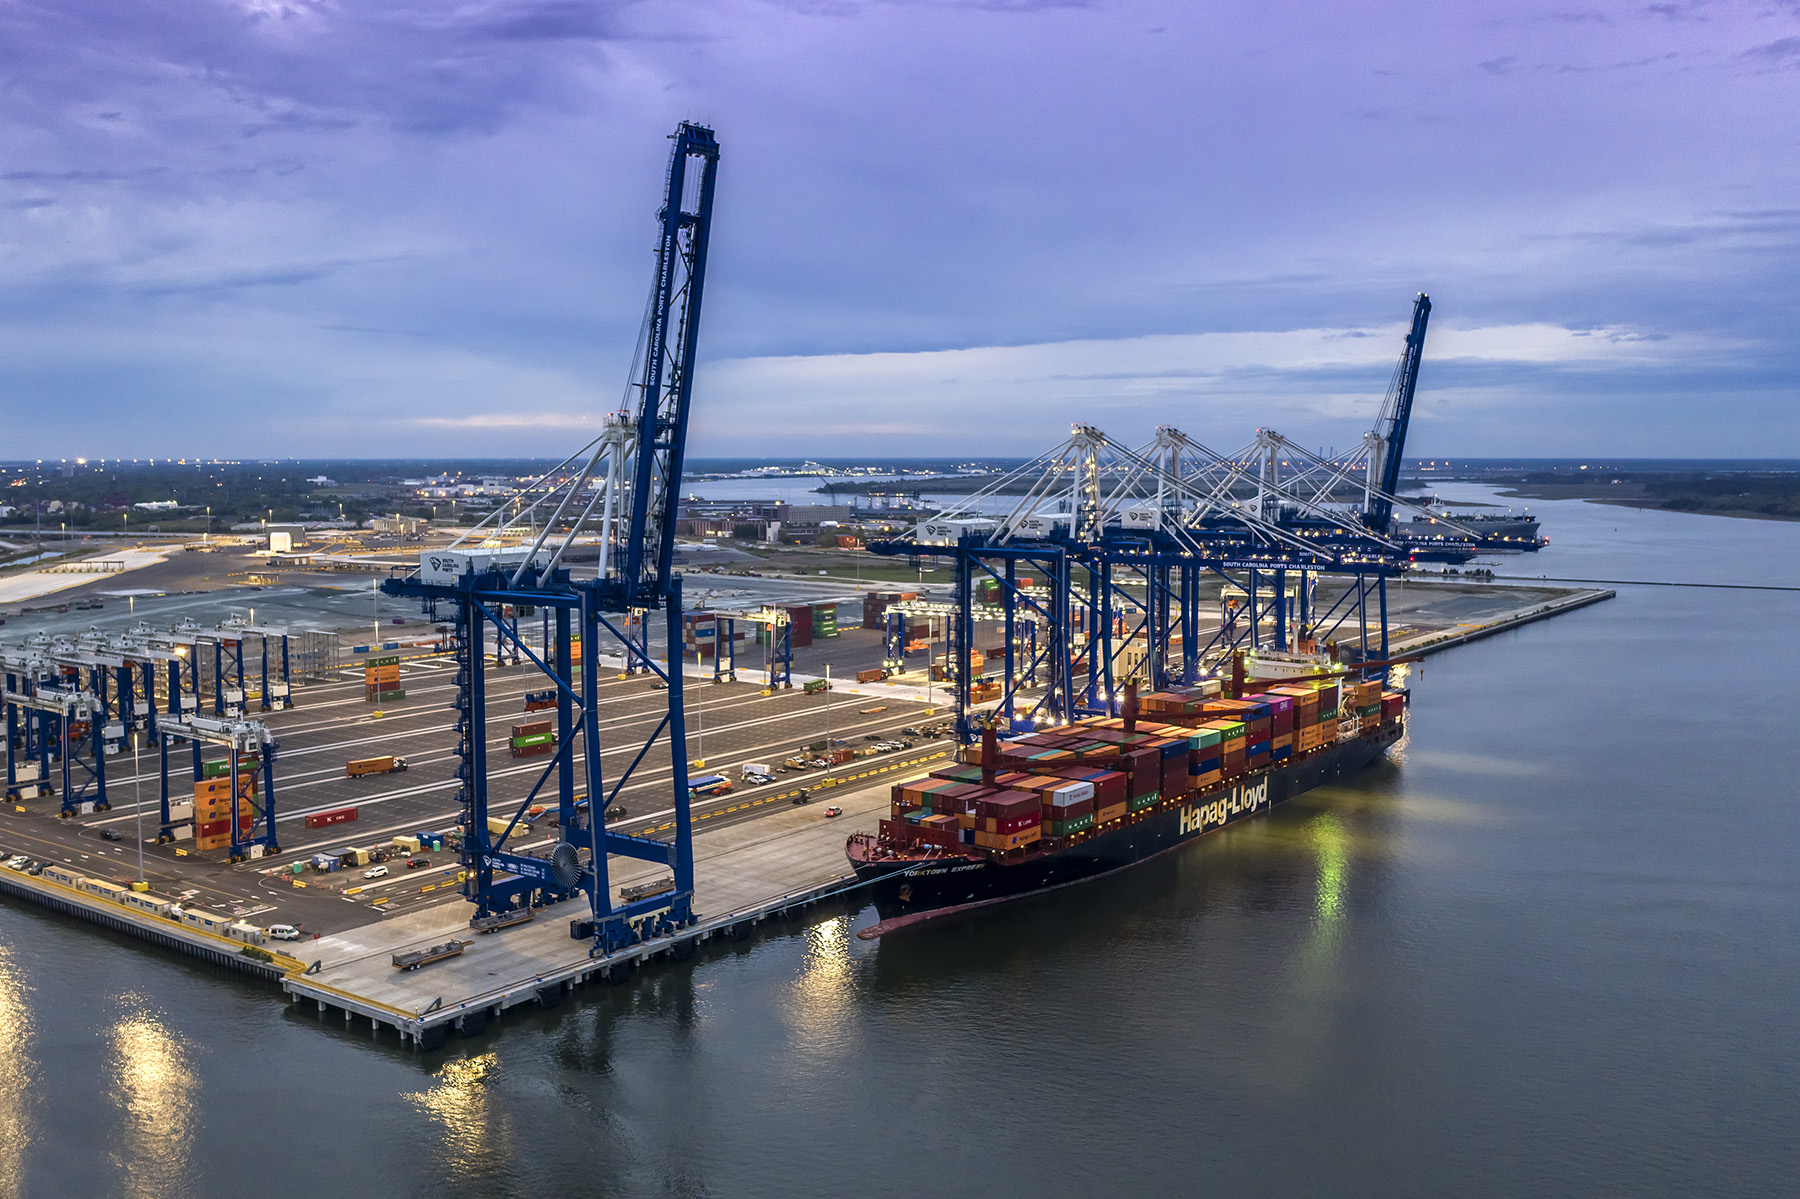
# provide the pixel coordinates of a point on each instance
(110, 834)
(616, 812)
(283, 932)
(759, 779)
(415, 863)
(17, 862)
(376, 872)
(834, 810)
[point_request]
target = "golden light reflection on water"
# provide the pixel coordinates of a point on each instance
(16, 1076)
(156, 1089)
(824, 990)
(477, 1132)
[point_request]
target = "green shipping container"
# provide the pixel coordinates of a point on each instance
(533, 739)
(221, 768)
(1064, 828)
(1145, 801)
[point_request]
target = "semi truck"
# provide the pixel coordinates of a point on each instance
(387, 764)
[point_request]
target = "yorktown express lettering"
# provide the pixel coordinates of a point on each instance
(1212, 815)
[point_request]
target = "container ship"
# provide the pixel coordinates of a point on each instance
(1064, 805)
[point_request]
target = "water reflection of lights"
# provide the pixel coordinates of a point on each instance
(155, 1085)
(1329, 844)
(475, 1134)
(825, 988)
(16, 1070)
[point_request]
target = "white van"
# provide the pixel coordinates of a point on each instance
(283, 932)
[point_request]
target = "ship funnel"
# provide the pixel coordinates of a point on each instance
(1130, 710)
(1237, 675)
(990, 754)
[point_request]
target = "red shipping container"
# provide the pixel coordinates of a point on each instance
(219, 828)
(1146, 771)
(323, 819)
(1174, 778)
(1006, 805)
(1071, 811)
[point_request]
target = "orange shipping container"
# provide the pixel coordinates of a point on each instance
(1008, 840)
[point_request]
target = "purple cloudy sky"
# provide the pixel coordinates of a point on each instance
(382, 227)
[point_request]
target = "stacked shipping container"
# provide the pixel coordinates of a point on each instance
(1087, 775)
(381, 680)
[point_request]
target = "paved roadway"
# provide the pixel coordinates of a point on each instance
(332, 723)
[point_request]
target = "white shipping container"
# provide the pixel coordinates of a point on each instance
(1071, 793)
(949, 532)
(447, 566)
(1042, 524)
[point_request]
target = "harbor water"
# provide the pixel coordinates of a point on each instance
(1551, 947)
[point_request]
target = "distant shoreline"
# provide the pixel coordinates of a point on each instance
(1624, 495)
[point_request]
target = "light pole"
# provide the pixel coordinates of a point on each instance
(137, 793)
(828, 709)
(700, 705)
(930, 656)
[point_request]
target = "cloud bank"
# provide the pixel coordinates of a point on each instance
(347, 227)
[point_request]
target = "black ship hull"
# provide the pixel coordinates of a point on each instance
(907, 892)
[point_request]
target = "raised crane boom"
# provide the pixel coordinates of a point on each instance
(1389, 438)
(673, 325)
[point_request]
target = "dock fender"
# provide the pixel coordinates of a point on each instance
(434, 1037)
(550, 996)
(473, 1022)
(684, 948)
